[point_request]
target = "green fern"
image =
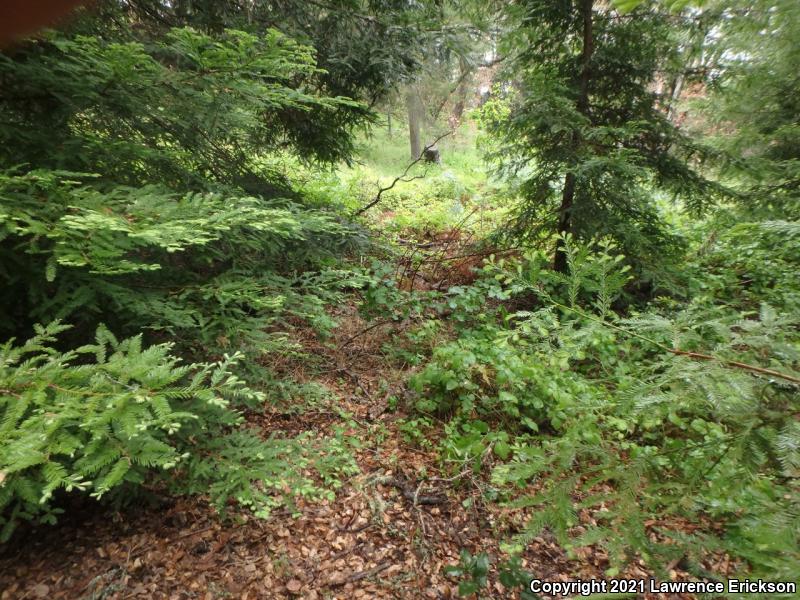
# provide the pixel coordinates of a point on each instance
(126, 419)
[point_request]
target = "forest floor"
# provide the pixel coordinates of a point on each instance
(389, 532)
(384, 536)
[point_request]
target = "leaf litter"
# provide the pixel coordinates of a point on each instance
(389, 533)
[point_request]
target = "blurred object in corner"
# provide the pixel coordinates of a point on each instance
(21, 18)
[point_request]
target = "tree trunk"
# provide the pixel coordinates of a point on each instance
(674, 95)
(463, 88)
(413, 107)
(565, 222)
(389, 122)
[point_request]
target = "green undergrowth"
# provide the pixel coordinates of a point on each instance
(113, 415)
(458, 192)
(590, 407)
(158, 246)
(177, 221)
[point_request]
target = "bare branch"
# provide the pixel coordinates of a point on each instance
(402, 178)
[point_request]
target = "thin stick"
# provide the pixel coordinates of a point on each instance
(736, 364)
(365, 330)
(678, 352)
(361, 575)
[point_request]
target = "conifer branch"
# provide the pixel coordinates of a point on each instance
(678, 352)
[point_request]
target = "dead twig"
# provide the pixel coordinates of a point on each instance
(357, 381)
(677, 352)
(361, 575)
(481, 254)
(194, 532)
(345, 552)
(365, 330)
(414, 496)
(736, 364)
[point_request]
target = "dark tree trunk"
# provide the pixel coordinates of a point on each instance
(565, 221)
(463, 88)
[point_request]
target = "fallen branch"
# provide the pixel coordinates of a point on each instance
(365, 330)
(402, 178)
(677, 352)
(481, 254)
(734, 363)
(414, 496)
(361, 575)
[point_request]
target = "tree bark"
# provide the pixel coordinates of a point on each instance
(565, 221)
(413, 108)
(463, 88)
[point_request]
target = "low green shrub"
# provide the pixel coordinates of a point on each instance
(487, 372)
(112, 416)
(675, 412)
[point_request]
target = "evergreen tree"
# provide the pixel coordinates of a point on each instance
(144, 185)
(580, 126)
(363, 47)
(756, 96)
(189, 110)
